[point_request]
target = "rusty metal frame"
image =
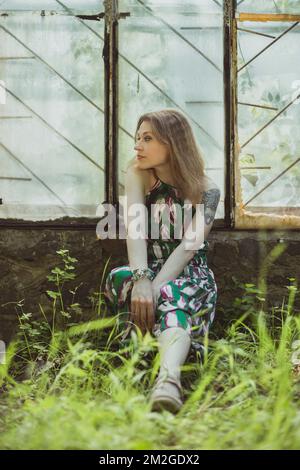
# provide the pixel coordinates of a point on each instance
(230, 106)
(5, 223)
(255, 105)
(163, 93)
(110, 56)
(256, 32)
(218, 3)
(267, 17)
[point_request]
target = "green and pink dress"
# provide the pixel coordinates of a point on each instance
(189, 301)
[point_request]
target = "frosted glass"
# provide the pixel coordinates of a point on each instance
(269, 6)
(52, 126)
(171, 55)
(271, 80)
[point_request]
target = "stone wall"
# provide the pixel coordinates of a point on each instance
(236, 257)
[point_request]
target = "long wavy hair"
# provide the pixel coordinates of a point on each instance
(186, 162)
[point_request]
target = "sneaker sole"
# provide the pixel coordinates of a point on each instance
(165, 403)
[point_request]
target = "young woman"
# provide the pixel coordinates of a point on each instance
(167, 288)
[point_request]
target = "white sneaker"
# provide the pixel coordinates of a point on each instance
(166, 395)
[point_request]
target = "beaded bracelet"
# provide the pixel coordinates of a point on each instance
(142, 273)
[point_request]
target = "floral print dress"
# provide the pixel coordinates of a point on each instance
(189, 301)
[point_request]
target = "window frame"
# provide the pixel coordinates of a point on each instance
(243, 221)
(111, 16)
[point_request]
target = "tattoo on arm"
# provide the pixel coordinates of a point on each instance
(210, 200)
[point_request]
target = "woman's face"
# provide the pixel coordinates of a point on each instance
(154, 153)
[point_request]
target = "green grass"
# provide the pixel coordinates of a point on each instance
(67, 384)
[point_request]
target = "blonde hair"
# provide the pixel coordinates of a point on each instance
(171, 127)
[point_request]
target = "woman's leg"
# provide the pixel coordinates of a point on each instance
(174, 335)
(174, 345)
(117, 296)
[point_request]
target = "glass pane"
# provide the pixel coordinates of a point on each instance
(268, 6)
(52, 139)
(171, 55)
(269, 116)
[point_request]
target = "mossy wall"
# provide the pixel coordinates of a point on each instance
(27, 257)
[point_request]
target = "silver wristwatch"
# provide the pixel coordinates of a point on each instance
(142, 273)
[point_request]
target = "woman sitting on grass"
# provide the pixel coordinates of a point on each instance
(167, 288)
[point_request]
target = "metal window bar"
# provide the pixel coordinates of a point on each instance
(15, 117)
(256, 32)
(16, 58)
(163, 93)
(180, 35)
(258, 106)
(270, 121)
(36, 56)
(12, 155)
(53, 128)
(270, 17)
(272, 181)
(97, 17)
(229, 62)
(217, 3)
(17, 178)
(268, 46)
(256, 17)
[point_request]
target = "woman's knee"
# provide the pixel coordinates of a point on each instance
(176, 318)
(117, 275)
(116, 282)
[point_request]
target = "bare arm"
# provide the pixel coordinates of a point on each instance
(173, 266)
(142, 313)
(134, 191)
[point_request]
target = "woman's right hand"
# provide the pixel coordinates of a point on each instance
(142, 307)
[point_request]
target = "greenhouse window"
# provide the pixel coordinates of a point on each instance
(76, 75)
(266, 40)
